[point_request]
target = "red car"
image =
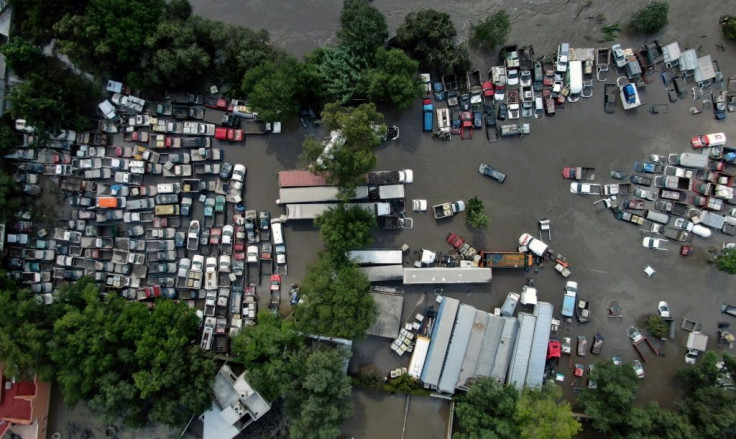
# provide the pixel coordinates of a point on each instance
(275, 282)
(62, 159)
(554, 349)
(488, 89)
(229, 134)
(715, 139)
(216, 103)
(153, 291)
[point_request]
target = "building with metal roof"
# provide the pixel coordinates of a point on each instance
(522, 350)
(447, 275)
(457, 348)
(504, 347)
(441, 333)
(538, 354)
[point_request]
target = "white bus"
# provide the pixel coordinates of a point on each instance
(575, 80)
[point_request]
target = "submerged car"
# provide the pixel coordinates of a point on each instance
(491, 172)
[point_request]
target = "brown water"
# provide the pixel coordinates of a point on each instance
(605, 254)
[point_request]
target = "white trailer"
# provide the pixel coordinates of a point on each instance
(376, 257)
(418, 357)
(316, 194)
(312, 211)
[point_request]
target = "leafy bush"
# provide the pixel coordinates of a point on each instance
(476, 214)
(728, 26)
(650, 19)
(726, 261)
(492, 31)
(657, 326)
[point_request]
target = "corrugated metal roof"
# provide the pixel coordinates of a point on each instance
(688, 60)
(383, 273)
(445, 275)
(314, 194)
(440, 339)
(376, 257)
(705, 70)
(671, 52)
(456, 351)
(473, 350)
(505, 348)
(520, 358)
(538, 355)
(490, 346)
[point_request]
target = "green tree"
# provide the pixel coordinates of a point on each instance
(363, 28)
(173, 58)
(544, 413)
(10, 197)
(319, 397)
(9, 137)
(24, 331)
(336, 71)
(492, 31)
(266, 351)
(179, 9)
(657, 326)
(34, 20)
(726, 261)
(610, 403)
(52, 98)
(109, 36)
(345, 228)
(429, 37)
(476, 214)
(487, 411)
(167, 357)
(274, 89)
(654, 422)
(650, 18)
(394, 79)
(333, 296)
(22, 56)
(728, 26)
(360, 129)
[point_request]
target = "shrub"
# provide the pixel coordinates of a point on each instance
(650, 19)
(657, 326)
(492, 31)
(728, 26)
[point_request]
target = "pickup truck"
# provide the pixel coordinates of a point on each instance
(446, 210)
(518, 129)
(578, 173)
(395, 222)
(617, 189)
(390, 177)
(569, 299)
(672, 182)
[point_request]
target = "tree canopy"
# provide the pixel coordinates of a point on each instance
(266, 349)
(544, 413)
(476, 214)
(10, 197)
(109, 36)
(650, 18)
(345, 228)
(363, 28)
(274, 88)
(34, 20)
(492, 31)
(610, 403)
(318, 399)
(726, 260)
(360, 129)
(728, 26)
(487, 411)
(394, 79)
(336, 300)
(428, 36)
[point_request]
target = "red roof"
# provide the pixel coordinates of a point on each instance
(300, 179)
(15, 400)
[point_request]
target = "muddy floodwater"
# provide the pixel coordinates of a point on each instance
(606, 255)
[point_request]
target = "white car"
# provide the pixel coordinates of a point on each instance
(664, 309)
(238, 177)
(654, 243)
(585, 189)
(513, 77)
(618, 55)
(419, 205)
(638, 369)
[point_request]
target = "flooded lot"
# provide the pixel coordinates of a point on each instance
(605, 254)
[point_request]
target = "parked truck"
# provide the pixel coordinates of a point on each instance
(672, 182)
(569, 299)
(395, 222)
(390, 177)
(578, 173)
(697, 342)
(689, 160)
(617, 189)
(255, 126)
(446, 210)
(517, 129)
(506, 260)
